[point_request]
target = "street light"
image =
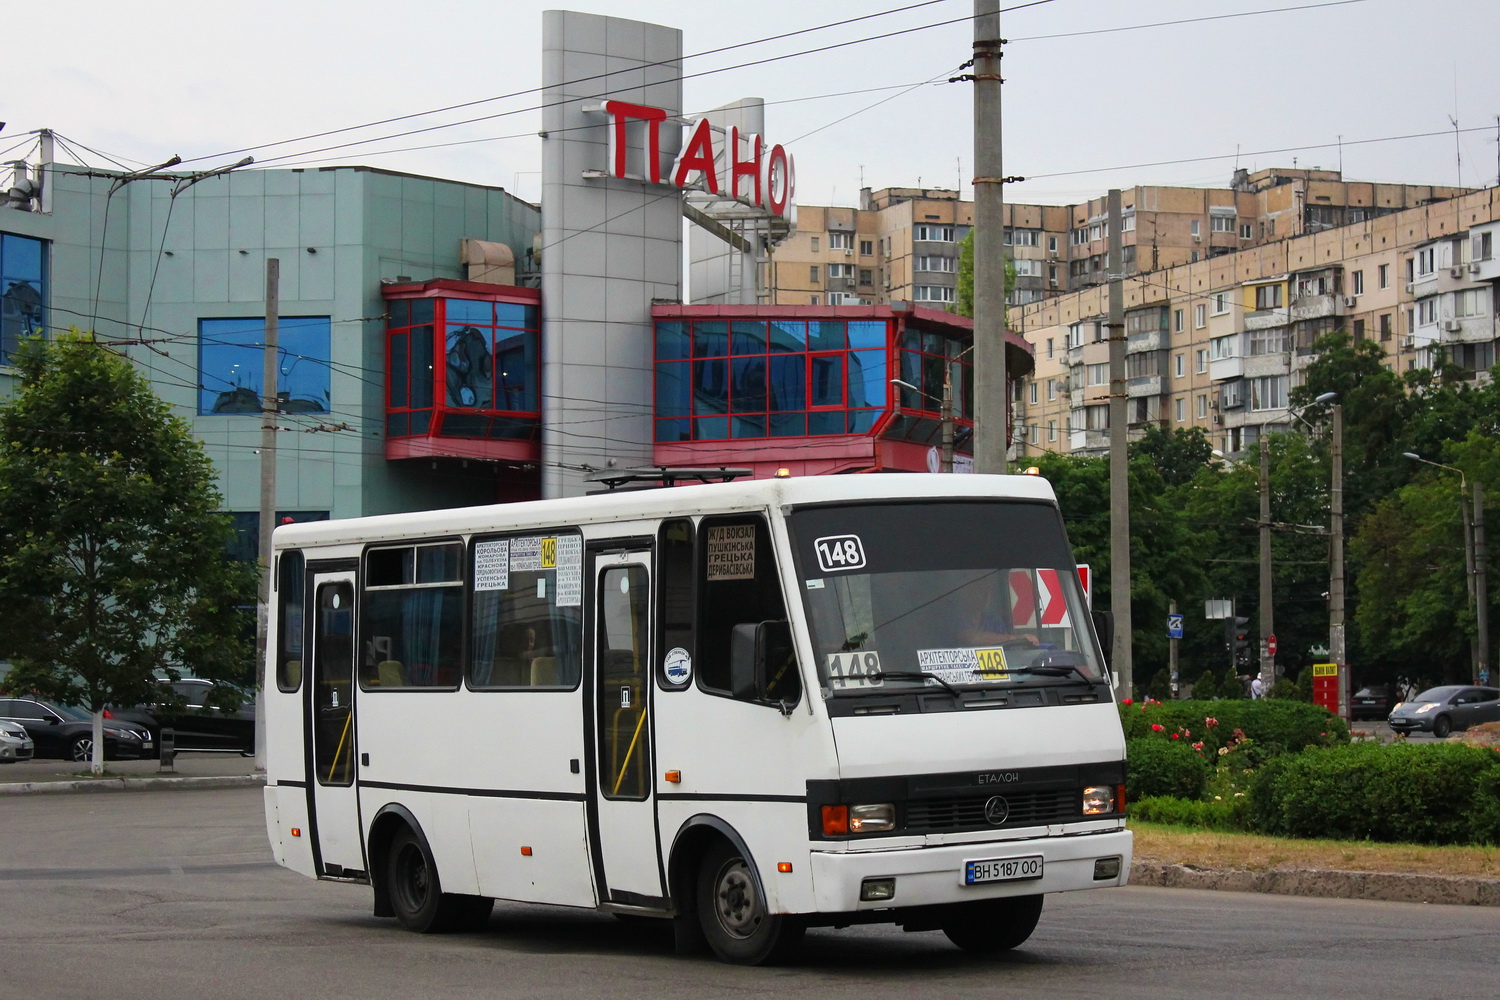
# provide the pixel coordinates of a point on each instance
(1336, 552)
(945, 413)
(1474, 579)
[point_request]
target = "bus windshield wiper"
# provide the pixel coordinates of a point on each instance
(918, 675)
(1052, 670)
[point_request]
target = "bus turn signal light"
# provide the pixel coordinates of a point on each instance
(785, 867)
(835, 821)
(525, 852)
(296, 831)
(675, 777)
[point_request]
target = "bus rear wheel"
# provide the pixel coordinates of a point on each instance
(417, 897)
(733, 912)
(992, 926)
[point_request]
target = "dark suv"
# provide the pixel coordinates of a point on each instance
(196, 726)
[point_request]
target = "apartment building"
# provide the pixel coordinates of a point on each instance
(1220, 342)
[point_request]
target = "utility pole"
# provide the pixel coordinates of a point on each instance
(1172, 652)
(991, 391)
(1481, 584)
(270, 405)
(1267, 610)
(946, 414)
(1336, 556)
(1119, 463)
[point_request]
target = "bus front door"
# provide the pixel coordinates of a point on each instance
(338, 847)
(626, 856)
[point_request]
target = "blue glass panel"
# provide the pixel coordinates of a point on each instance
(468, 425)
(671, 340)
(710, 428)
(515, 428)
(748, 337)
(21, 259)
(867, 334)
(827, 335)
(710, 387)
(673, 398)
(933, 372)
(398, 313)
(911, 340)
(934, 343)
(231, 363)
(469, 311)
(515, 314)
(749, 392)
(867, 378)
(826, 373)
(788, 335)
(421, 310)
(396, 424)
(421, 366)
(516, 372)
(788, 385)
(710, 338)
(469, 367)
(826, 422)
(860, 421)
(398, 373)
(673, 430)
(788, 424)
(421, 421)
(750, 427)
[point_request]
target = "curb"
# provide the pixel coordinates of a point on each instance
(131, 784)
(1443, 889)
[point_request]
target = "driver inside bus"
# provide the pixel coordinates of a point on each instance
(982, 614)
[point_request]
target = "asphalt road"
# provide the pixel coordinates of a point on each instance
(172, 893)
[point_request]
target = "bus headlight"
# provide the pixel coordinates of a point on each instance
(1098, 800)
(876, 818)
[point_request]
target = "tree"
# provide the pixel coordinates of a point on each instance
(114, 560)
(964, 292)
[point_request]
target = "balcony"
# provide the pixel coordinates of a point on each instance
(1221, 369)
(1144, 385)
(1469, 330)
(1149, 340)
(1264, 319)
(1315, 307)
(1258, 365)
(1088, 440)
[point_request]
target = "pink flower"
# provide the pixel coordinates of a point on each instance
(1176, 736)
(1199, 746)
(1157, 727)
(1127, 701)
(1210, 721)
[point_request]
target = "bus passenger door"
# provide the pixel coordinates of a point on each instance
(333, 807)
(626, 855)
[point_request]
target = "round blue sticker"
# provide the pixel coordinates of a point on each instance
(678, 666)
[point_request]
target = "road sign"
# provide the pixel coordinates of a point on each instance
(1271, 644)
(1174, 626)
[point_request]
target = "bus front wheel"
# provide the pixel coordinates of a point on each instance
(733, 912)
(417, 897)
(991, 926)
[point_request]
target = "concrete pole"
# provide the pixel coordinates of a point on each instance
(1466, 524)
(1267, 669)
(1119, 458)
(1481, 584)
(991, 391)
(1336, 558)
(946, 413)
(270, 405)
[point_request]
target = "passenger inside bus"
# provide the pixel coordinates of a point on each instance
(981, 613)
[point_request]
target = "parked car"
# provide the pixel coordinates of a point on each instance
(196, 725)
(14, 743)
(1373, 702)
(1441, 710)
(67, 731)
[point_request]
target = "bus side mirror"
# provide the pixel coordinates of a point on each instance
(763, 664)
(1104, 628)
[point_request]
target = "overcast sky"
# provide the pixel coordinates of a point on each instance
(1082, 112)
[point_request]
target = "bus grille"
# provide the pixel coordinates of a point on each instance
(967, 812)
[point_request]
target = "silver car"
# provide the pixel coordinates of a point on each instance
(1442, 710)
(15, 744)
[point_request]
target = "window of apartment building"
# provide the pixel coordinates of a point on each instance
(1270, 227)
(1426, 261)
(1096, 418)
(1471, 302)
(1051, 389)
(1268, 297)
(1246, 231)
(1222, 223)
(812, 272)
(1225, 347)
(933, 234)
(1099, 231)
(1357, 283)
(932, 293)
(1197, 228)
(1079, 236)
(1269, 341)
(840, 241)
(1032, 389)
(1359, 330)
(23, 294)
(1195, 257)
(1383, 276)
(1025, 237)
(1385, 326)
(1427, 311)
(885, 246)
(1201, 356)
(1052, 244)
(839, 270)
(1200, 405)
(1028, 268)
(1411, 319)
(1052, 275)
(866, 276)
(933, 262)
(1127, 224)
(1075, 334)
(1481, 247)
(1176, 320)
(231, 363)
(1321, 285)
(1099, 374)
(1179, 365)
(1268, 392)
(1221, 303)
(1200, 316)
(815, 244)
(866, 248)
(1052, 430)
(1049, 348)
(1181, 405)
(1143, 365)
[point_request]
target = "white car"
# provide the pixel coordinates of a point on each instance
(15, 744)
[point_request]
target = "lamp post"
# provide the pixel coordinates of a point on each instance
(1336, 648)
(1478, 646)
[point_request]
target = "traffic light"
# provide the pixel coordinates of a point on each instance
(1242, 640)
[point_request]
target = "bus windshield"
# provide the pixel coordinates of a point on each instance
(955, 595)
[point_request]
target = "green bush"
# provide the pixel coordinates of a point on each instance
(1155, 766)
(1273, 727)
(1207, 814)
(1435, 793)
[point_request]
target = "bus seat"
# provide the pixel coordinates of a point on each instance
(390, 674)
(544, 671)
(291, 673)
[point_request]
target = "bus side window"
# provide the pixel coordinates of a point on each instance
(737, 585)
(674, 612)
(289, 609)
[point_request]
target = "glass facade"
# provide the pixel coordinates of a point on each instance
(23, 292)
(231, 364)
(463, 366)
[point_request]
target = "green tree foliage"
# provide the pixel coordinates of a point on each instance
(964, 291)
(113, 547)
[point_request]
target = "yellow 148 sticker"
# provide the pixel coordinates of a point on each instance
(990, 664)
(549, 553)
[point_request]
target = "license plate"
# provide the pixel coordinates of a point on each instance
(1002, 870)
(147, 745)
